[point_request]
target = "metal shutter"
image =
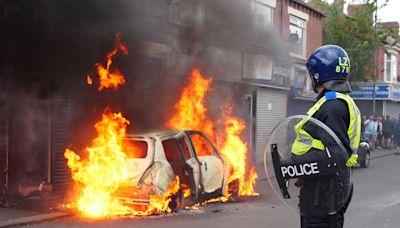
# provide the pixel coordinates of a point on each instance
(64, 109)
(392, 108)
(365, 107)
(298, 107)
(271, 108)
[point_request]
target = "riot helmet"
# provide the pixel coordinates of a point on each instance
(329, 66)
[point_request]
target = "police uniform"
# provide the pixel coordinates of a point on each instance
(323, 200)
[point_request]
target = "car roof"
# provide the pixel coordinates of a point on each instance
(154, 134)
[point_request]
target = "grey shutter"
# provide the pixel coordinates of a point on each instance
(271, 108)
(63, 111)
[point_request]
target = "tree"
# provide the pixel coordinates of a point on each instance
(354, 32)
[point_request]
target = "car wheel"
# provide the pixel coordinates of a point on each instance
(177, 201)
(233, 189)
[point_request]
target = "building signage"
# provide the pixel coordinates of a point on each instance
(395, 93)
(367, 92)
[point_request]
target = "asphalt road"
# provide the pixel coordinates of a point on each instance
(375, 203)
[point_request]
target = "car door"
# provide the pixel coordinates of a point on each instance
(176, 157)
(212, 167)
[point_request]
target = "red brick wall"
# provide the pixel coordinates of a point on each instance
(277, 18)
(314, 33)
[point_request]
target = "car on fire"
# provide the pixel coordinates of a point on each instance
(162, 156)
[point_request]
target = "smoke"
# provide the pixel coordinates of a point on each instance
(62, 41)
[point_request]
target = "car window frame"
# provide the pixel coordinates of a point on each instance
(215, 151)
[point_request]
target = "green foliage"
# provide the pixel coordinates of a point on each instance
(355, 33)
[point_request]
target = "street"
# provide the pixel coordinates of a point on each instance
(375, 203)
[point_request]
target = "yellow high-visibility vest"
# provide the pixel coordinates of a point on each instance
(304, 141)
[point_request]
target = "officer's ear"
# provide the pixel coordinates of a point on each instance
(319, 89)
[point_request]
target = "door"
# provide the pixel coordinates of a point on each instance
(212, 167)
(174, 153)
(193, 166)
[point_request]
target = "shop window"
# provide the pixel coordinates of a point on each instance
(187, 12)
(298, 78)
(297, 37)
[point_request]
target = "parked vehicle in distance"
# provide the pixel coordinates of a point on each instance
(158, 157)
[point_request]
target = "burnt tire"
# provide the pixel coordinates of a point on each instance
(364, 157)
(233, 189)
(177, 201)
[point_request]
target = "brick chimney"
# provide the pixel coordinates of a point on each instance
(394, 25)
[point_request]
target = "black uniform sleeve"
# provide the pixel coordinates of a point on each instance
(335, 114)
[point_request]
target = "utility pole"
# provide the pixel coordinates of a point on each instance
(376, 61)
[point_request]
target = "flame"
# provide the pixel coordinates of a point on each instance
(190, 109)
(191, 113)
(234, 151)
(100, 175)
(110, 79)
(89, 80)
(161, 204)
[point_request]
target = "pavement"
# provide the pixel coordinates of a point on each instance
(11, 217)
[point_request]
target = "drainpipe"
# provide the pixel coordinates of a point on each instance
(376, 63)
(282, 16)
(7, 143)
(49, 140)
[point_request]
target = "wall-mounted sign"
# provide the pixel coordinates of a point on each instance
(395, 92)
(367, 92)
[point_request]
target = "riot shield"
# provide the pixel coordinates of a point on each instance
(287, 173)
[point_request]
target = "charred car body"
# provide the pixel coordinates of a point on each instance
(159, 157)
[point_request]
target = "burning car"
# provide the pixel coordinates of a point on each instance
(159, 157)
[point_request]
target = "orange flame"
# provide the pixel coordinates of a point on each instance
(104, 171)
(234, 151)
(190, 110)
(191, 113)
(110, 79)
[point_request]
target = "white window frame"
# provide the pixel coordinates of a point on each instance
(303, 16)
(392, 77)
(266, 3)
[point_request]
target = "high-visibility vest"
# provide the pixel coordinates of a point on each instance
(304, 141)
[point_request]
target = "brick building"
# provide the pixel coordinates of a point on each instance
(255, 50)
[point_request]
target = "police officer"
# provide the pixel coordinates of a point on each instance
(324, 200)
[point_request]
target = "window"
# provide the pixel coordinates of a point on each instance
(390, 67)
(187, 12)
(257, 67)
(173, 154)
(297, 39)
(201, 145)
(299, 77)
(185, 148)
(264, 15)
(135, 148)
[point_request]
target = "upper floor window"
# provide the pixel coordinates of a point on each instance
(187, 12)
(390, 67)
(264, 19)
(297, 37)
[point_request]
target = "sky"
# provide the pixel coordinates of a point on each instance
(388, 13)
